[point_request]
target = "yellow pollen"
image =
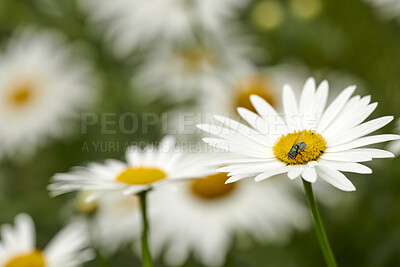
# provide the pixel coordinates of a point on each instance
(315, 147)
(212, 187)
(141, 176)
(22, 93)
(33, 259)
(83, 206)
(255, 85)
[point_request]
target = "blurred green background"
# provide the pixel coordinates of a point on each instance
(345, 35)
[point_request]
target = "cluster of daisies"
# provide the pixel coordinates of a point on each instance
(200, 201)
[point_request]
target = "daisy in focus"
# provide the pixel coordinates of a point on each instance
(205, 216)
(42, 84)
(67, 249)
(310, 141)
(145, 169)
(129, 27)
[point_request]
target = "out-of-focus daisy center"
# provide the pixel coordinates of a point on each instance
(299, 147)
(82, 205)
(33, 259)
(22, 93)
(254, 85)
(141, 176)
(195, 59)
(212, 187)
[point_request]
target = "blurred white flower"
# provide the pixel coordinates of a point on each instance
(145, 169)
(117, 222)
(394, 146)
(386, 9)
(67, 249)
(309, 141)
(185, 70)
(42, 84)
(135, 23)
(205, 215)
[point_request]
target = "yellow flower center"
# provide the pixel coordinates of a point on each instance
(141, 176)
(212, 187)
(255, 85)
(22, 93)
(299, 147)
(195, 59)
(83, 206)
(33, 259)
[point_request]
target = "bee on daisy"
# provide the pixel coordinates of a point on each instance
(145, 170)
(311, 141)
(67, 249)
(42, 85)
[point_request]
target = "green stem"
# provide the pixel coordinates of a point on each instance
(146, 255)
(319, 228)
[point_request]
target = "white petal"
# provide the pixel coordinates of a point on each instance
(270, 173)
(307, 97)
(309, 174)
(268, 114)
(321, 97)
(335, 178)
(289, 101)
(254, 120)
(334, 108)
(348, 167)
(360, 131)
(344, 156)
(368, 140)
(295, 171)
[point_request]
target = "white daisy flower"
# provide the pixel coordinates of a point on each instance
(183, 70)
(395, 145)
(205, 215)
(134, 23)
(145, 169)
(116, 209)
(310, 141)
(41, 85)
(67, 249)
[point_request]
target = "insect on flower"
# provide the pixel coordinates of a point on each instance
(298, 147)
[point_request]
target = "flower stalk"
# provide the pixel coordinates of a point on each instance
(146, 255)
(319, 227)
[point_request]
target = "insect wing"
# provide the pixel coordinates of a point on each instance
(299, 139)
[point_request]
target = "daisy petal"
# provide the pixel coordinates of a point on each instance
(307, 97)
(348, 167)
(321, 97)
(360, 130)
(344, 156)
(295, 171)
(334, 108)
(309, 174)
(270, 173)
(364, 141)
(335, 178)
